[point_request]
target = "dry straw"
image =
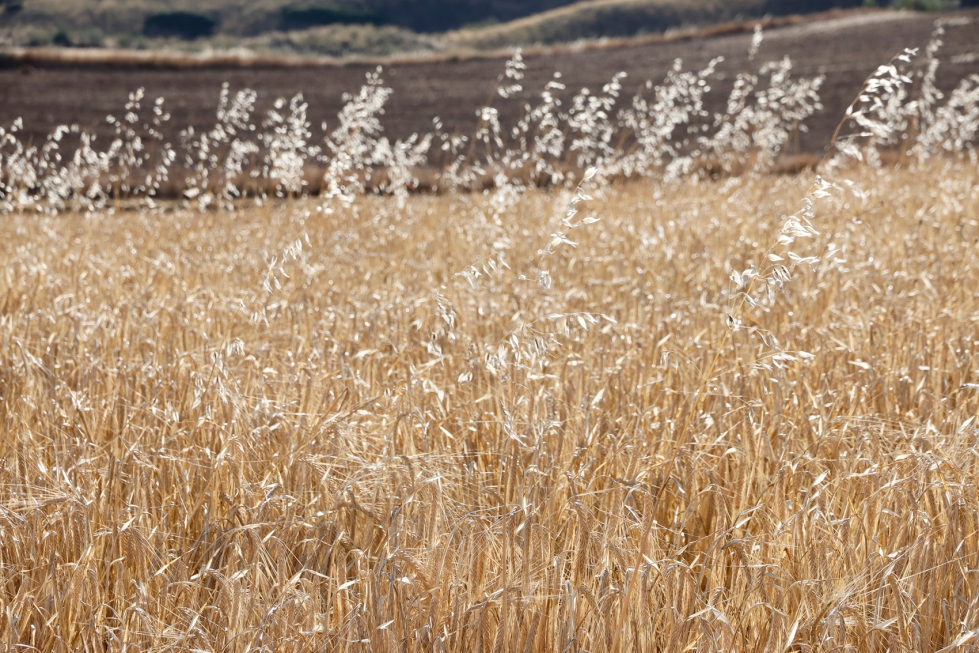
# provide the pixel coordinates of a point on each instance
(673, 414)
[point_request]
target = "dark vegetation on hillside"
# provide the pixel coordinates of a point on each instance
(441, 15)
(598, 19)
(43, 19)
(181, 24)
(305, 17)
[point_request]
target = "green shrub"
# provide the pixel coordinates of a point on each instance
(11, 7)
(181, 24)
(926, 5)
(303, 17)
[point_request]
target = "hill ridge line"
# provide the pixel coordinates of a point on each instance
(236, 58)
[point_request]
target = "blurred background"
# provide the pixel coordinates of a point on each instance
(379, 27)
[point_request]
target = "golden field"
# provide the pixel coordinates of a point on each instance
(377, 429)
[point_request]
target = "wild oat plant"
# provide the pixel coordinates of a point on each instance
(583, 396)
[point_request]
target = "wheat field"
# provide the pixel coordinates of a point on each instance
(611, 383)
(367, 446)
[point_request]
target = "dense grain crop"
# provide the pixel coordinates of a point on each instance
(371, 453)
(636, 395)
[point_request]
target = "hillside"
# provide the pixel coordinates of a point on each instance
(242, 18)
(360, 26)
(592, 19)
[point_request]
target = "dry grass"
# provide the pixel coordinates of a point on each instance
(360, 450)
(594, 19)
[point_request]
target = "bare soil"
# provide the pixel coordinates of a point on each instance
(845, 49)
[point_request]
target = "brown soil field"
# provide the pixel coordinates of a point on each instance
(845, 49)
